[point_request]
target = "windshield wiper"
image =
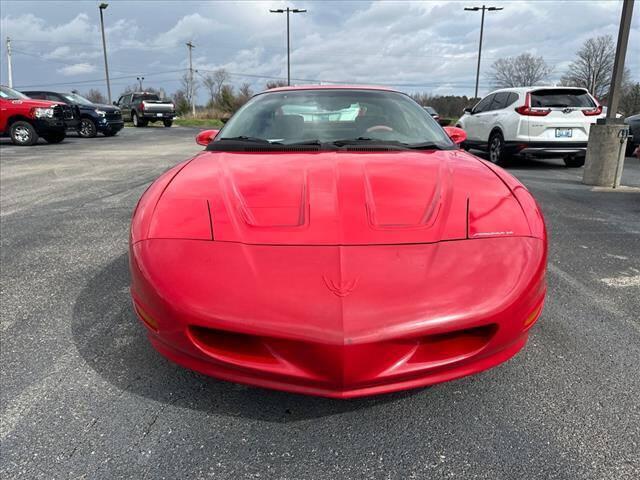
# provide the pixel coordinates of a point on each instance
(386, 143)
(244, 138)
(312, 143)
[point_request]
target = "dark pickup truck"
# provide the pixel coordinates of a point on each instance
(25, 120)
(140, 108)
(93, 117)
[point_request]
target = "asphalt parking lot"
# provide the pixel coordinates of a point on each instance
(84, 395)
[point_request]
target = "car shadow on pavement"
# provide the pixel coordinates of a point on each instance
(528, 163)
(110, 339)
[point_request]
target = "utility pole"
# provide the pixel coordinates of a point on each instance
(288, 11)
(608, 137)
(102, 7)
(475, 9)
(191, 46)
(140, 80)
(9, 66)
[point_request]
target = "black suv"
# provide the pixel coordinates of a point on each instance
(93, 117)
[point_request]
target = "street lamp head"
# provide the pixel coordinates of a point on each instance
(298, 10)
(103, 6)
(472, 9)
(495, 9)
(279, 10)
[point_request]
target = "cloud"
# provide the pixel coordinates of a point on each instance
(415, 46)
(77, 69)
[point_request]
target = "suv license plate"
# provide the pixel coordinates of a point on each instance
(564, 132)
(159, 115)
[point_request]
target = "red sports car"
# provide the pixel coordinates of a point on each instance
(335, 241)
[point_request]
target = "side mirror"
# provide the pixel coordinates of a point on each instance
(204, 137)
(468, 110)
(457, 135)
(115, 103)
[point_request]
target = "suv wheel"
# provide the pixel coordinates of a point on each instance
(23, 133)
(572, 161)
(55, 137)
(87, 128)
(497, 150)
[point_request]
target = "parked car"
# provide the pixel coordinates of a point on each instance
(341, 255)
(532, 121)
(432, 111)
(25, 120)
(92, 117)
(140, 108)
(634, 130)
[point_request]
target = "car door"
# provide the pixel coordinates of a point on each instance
(487, 118)
(4, 113)
(125, 107)
(472, 124)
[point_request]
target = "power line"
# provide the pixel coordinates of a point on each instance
(80, 82)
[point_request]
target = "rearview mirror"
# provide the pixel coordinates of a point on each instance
(204, 137)
(457, 135)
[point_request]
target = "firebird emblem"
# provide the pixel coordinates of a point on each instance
(340, 289)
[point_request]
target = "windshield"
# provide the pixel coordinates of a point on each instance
(336, 117)
(11, 94)
(566, 97)
(78, 99)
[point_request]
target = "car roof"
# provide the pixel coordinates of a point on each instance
(331, 87)
(535, 87)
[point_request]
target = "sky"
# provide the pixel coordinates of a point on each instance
(415, 46)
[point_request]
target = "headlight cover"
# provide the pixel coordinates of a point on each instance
(43, 112)
(100, 113)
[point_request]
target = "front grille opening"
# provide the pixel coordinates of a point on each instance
(231, 346)
(452, 345)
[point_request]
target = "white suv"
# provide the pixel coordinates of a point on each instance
(532, 121)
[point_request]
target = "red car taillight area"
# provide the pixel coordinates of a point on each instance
(530, 111)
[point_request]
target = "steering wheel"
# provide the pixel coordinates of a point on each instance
(379, 128)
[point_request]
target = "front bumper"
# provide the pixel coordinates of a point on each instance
(112, 126)
(548, 149)
(279, 317)
(46, 126)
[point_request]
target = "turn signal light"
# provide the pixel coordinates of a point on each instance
(146, 318)
(533, 316)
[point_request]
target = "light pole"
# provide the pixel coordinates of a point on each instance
(475, 9)
(288, 11)
(140, 80)
(102, 7)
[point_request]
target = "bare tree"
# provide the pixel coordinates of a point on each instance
(214, 82)
(190, 90)
(524, 70)
(276, 83)
(95, 96)
(244, 94)
(593, 67)
(630, 100)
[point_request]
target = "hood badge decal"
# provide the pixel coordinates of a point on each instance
(342, 288)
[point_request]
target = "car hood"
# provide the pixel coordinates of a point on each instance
(35, 103)
(336, 198)
(106, 108)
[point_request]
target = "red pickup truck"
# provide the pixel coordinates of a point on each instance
(25, 120)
